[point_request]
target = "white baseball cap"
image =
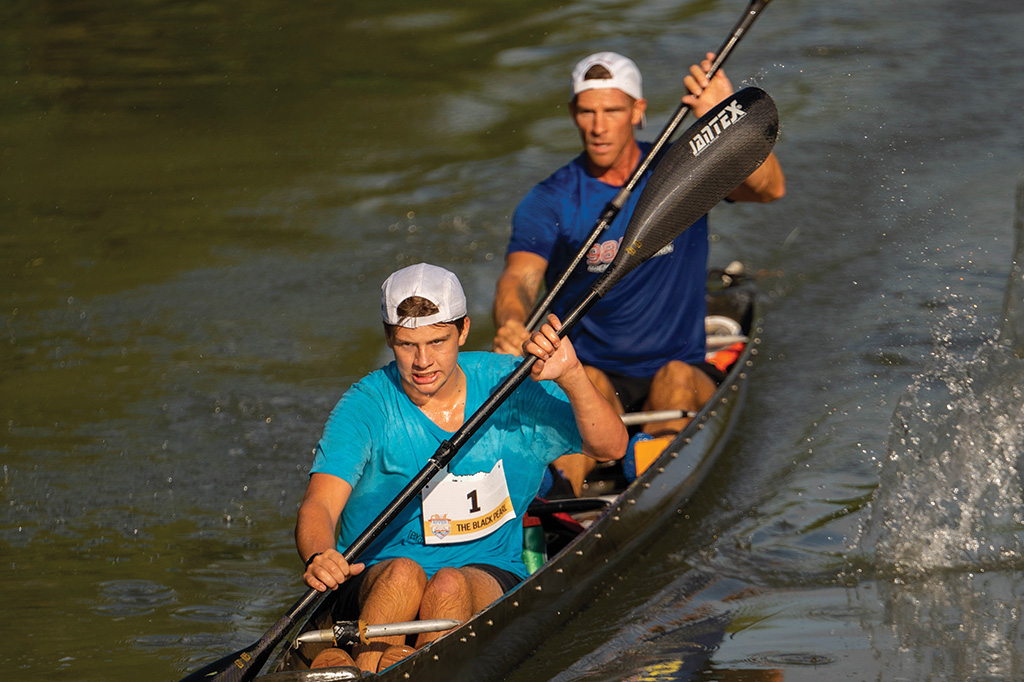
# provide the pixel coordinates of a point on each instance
(624, 72)
(437, 285)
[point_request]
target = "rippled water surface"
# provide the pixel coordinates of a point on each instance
(199, 200)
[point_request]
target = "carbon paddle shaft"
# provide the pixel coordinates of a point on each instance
(612, 209)
(711, 158)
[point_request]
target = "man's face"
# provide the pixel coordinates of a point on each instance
(605, 119)
(427, 358)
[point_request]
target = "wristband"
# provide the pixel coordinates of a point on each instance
(311, 557)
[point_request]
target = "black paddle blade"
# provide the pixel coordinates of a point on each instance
(237, 667)
(706, 163)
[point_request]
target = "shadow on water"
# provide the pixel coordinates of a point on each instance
(947, 527)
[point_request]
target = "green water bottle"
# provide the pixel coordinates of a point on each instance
(534, 551)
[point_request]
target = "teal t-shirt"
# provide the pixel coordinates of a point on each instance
(376, 439)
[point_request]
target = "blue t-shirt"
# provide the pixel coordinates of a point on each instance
(376, 439)
(655, 314)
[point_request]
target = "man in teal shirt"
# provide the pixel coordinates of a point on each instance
(459, 547)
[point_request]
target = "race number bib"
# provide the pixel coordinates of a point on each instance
(464, 508)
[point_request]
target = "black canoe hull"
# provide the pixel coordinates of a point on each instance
(499, 638)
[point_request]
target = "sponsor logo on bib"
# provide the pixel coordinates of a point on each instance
(440, 526)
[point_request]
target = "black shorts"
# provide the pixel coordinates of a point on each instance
(633, 391)
(506, 579)
(346, 604)
(346, 598)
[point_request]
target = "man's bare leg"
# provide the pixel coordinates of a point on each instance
(677, 386)
(391, 593)
(456, 593)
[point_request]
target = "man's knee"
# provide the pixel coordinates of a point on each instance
(401, 575)
(678, 385)
(447, 584)
(675, 373)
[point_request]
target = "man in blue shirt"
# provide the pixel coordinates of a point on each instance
(643, 343)
(459, 547)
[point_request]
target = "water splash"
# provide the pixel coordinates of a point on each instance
(947, 524)
(1012, 332)
(950, 496)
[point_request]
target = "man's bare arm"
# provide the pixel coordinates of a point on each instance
(514, 297)
(325, 498)
(601, 429)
